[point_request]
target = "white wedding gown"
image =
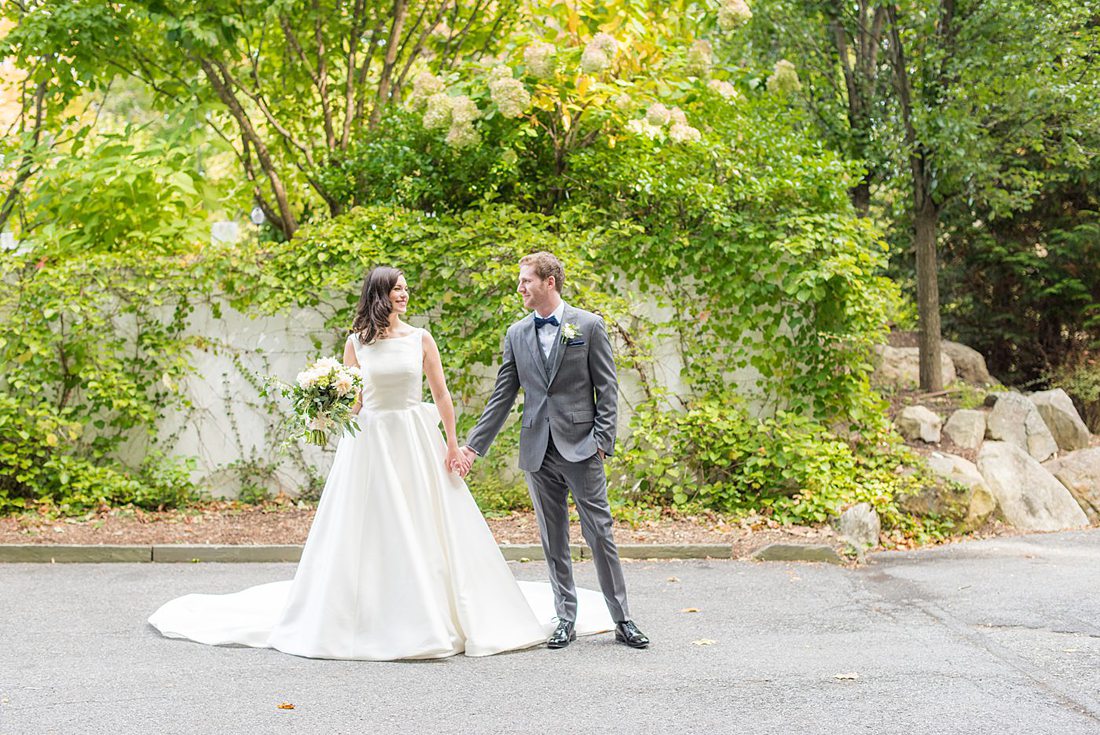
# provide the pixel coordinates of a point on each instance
(399, 563)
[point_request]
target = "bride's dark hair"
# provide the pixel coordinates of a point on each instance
(372, 316)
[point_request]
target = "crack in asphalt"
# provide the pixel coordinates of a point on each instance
(917, 598)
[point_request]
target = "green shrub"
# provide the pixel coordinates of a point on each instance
(715, 454)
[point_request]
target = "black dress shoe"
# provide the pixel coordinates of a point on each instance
(627, 632)
(563, 635)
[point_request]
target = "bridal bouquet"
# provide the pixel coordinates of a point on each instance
(323, 397)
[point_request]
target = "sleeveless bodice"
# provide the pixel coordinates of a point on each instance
(392, 371)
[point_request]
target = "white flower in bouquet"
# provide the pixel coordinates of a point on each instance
(343, 384)
(676, 115)
(323, 398)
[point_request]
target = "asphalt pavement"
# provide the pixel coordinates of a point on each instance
(995, 636)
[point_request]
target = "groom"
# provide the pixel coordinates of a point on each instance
(561, 357)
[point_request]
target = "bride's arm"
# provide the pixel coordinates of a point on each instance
(433, 370)
(352, 361)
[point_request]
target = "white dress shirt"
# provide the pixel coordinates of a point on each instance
(549, 333)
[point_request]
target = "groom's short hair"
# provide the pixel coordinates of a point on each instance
(546, 265)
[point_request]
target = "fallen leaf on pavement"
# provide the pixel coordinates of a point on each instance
(703, 642)
(846, 677)
(286, 705)
(673, 579)
(690, 609)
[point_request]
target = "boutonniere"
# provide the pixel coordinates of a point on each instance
(569, 332)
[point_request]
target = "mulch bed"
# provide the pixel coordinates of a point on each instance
(284, 522)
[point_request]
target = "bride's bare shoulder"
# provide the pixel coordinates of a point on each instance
(351, 358)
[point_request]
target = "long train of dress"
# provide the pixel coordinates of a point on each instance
(399, 562)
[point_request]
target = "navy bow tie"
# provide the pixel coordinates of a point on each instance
(539, 321)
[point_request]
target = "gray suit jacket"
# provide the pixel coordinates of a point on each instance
(573, 396)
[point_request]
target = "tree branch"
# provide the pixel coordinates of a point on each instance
(399, 11)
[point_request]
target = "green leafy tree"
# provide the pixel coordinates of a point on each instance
(286, 84)
(973, 85)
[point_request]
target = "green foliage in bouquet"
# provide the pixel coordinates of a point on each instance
(322, 399)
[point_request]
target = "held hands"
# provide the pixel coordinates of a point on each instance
(469, 455)
(457, 460)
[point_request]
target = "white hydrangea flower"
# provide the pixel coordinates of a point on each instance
(463, 135)
(594, 61)
(463, 110)
(604, 42)
(700, 57)
(622, 102)
(733, 13)
(539, 58)
(509, 157)
(723, 88)
(641, 126)
(676, 115)
(657, 114)
(597, 54)
(437, 112)
(684, 133)
(426, 84)
(507, 93)
(784, 78)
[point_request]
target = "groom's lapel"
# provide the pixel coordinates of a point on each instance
(557, 354)
(527, 330)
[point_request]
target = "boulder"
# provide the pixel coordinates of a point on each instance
(1029, 497)
(969, 363)
(1016, 420)
(1061, 417)
(860, 526)
(899, 367)
(917, 422)
(966, 428)
(965, 496)
(1080, 472)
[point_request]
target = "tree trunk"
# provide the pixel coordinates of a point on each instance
(860, 194)
(925, 226)
(926, 219)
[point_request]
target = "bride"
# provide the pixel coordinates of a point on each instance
(399, 562)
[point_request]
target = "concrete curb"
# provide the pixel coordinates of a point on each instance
(194, 553)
